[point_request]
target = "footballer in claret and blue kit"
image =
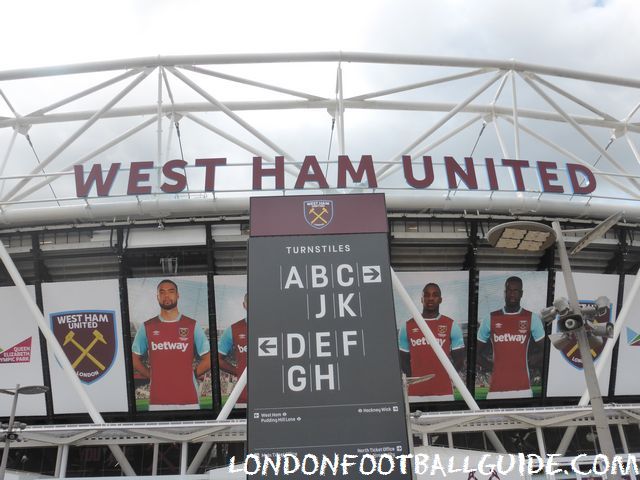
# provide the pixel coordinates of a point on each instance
(510, 337)
(171, 354)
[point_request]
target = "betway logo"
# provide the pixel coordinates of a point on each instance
(423, 341)
(242, 349)
(510, 337)
(182, 346)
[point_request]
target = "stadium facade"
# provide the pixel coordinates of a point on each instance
(117, 175)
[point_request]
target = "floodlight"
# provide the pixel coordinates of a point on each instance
(522, 235)
(508, 243)
(513, 233)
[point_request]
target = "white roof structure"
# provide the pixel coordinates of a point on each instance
(325, 104)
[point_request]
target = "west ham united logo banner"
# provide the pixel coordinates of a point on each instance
(88, 338)
(318, 213)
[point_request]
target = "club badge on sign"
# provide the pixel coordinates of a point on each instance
(88, 339)
(318, 213)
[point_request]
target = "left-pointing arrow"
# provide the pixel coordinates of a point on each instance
(267, 346)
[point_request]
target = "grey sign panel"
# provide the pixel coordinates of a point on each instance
(323, 371)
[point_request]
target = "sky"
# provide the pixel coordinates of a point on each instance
(595, 35)
(598, 36)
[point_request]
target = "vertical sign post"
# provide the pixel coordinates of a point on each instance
(323, 368)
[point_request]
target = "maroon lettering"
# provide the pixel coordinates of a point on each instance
(516, 166)
(491, 173)
(573, 169)
(136, 176)
(365, 167)
(210, 165)
(259, 171)
(310, 163)
(169, 171)
(95, 176)
(427, 164)
(546, 177)
(454, 170)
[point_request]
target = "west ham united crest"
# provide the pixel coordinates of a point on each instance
(571, 353)
(318, 213)
(88, 338)
(523, 326)
(183, 333)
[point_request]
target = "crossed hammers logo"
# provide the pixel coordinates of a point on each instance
(85, 352)
(318, 216)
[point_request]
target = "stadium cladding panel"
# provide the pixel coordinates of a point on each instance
(124, 208)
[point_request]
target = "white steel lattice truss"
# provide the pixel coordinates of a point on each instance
(294, 105)
(121, 434)
(235, 430)
(323, 104)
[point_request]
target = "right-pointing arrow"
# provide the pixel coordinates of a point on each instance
(371, 274)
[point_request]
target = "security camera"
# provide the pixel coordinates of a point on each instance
(562, 306)
(548, 314)
(601, 329)
(602, 304)
(570, 322)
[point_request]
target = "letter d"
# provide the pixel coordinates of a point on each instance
(530, 465)
(296, 463)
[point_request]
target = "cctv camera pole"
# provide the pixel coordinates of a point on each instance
(599, 416)
(7, 438)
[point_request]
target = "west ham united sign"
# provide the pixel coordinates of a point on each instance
(88, 339)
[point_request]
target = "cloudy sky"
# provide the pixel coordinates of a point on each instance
(599, 35)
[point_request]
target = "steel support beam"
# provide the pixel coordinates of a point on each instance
(54, 346)
(442, 356)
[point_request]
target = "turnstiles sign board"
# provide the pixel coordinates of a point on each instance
(323, 366)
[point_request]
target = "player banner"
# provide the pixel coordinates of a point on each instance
(629, 347)
(321, 330)
(231, 323)
(20, 357)
(566, 376)
(443, 299)
(510, 337)
(85, 319)
(170, 349)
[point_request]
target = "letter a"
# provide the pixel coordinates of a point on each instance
(293, 278)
